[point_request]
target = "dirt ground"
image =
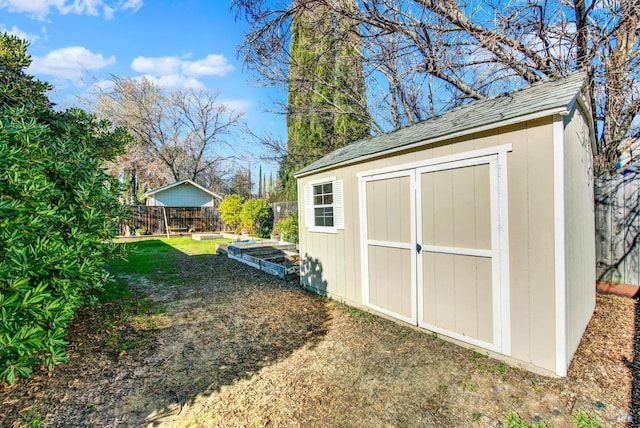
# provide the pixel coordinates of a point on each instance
(234, 347)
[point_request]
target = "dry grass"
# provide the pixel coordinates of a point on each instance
(229, 346)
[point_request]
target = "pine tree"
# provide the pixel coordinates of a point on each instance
(265, 193)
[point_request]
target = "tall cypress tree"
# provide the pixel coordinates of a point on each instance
(351, 121)
(326, 89)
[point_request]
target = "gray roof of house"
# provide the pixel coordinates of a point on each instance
(537, 98)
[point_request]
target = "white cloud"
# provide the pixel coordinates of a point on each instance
(18, 32)
(211, 65)
(41, 8)
(133, 5)
(237, 105)
(70, 63)
(159, 66)
(102, 86)
(175, 81)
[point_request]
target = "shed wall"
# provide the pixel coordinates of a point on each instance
(184, 195)
(580, 229)
(331, 261)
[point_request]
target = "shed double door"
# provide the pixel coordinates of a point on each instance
(433, 250)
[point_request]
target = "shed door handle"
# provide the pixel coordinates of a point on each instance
(418, 248)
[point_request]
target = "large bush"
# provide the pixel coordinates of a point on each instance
(229, 209)
(58, 212)
(257, 217)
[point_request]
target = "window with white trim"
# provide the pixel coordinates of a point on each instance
(324, 209)
(323, 205)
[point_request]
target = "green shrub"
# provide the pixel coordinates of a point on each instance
(287, 227)
(58, 211)
(229, 209)
(257, 217)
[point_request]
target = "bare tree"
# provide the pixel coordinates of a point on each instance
(456, 51)
(181, 134)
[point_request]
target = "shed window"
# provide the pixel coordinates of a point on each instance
(323, 205)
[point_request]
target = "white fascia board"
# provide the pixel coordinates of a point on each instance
(178, 183)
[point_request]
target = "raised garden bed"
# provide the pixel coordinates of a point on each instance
(273, 257)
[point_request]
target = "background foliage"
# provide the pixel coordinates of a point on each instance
(229, 210)
(287, 227)
(257, 217)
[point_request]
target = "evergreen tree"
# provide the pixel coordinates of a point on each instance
(326, 84)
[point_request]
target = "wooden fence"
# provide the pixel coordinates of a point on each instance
(618, 228)
(150, 220)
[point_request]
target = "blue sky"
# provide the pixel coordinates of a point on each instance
(191, 43)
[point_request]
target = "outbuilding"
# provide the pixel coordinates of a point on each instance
(477, 225)
(183, 193)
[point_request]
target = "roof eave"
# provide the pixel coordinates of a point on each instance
(178, 183)
(562, 110)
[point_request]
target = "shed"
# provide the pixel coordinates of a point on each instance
(183, 193)
(477, 225)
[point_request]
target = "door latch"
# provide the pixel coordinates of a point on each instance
(418, 248)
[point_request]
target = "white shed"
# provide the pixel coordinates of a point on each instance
(477, 225)
(183, 193)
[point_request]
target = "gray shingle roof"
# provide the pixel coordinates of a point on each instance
(539, 97)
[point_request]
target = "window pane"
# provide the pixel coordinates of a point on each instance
(323, 216)
(327, 200)
(327, 188)
(328, 220)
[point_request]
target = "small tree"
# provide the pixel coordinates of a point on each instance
(229, 210)
(257, 217)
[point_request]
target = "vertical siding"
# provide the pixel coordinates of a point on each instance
(580, 230)
(184, 195)
(456, 213)
(531, 242)
(388, 210)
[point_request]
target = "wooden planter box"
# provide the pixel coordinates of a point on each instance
(274, 258)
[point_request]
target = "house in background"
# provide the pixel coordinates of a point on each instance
(477, 224)
(183, 193)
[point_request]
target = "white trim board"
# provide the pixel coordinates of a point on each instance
(434, 162)
(559, 247)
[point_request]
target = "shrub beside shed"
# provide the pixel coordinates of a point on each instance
(477, 225)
